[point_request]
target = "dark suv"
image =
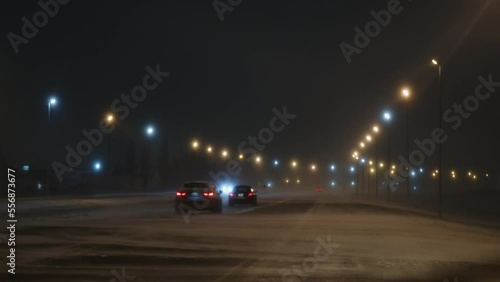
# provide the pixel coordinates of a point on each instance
(242, 194)
(197, 196)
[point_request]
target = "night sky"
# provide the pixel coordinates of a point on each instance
(226, 77)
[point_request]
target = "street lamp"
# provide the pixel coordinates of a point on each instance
(387, 116)
(150, 131)
(362, 181)
(376, 130)
(52, 102)
(294, 164)
(224, 153)
(110, 118)
(313, 167)
(195, 144)
(406, 95)
(97, 166)
(440, 122)
(209, 149)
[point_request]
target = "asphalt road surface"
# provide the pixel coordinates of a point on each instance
(287, 237)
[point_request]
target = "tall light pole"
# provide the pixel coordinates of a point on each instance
(440, 181)
(369, 140)
(150, 132)
(376, 131)
(110, 118)
(357, 177)
(52, 102)
(387, 119)
(361, 162)
(353, 168)
(406, 95)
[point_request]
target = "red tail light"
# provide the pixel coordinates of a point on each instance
(206, 194)
(250, 194)
(231, 195)
(180, 194)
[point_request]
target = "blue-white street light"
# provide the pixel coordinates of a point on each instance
(332, 167)
(52, 102)
(387, 116)
(276, 163)
(97, 166)
(150, 130)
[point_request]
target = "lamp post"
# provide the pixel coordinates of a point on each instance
(357, 178)
(362, 161)
(150, 131)
(52, 102)
(440, 181)
(353, 169)
(376, 130)
(109, 119)
(406, 96)
(369, 140)
(387, 118)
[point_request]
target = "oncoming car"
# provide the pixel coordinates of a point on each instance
(242, 194)
(198, 196)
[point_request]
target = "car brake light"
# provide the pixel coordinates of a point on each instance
(250, 194)
(180, 194)
(211, 194)
(231, 195)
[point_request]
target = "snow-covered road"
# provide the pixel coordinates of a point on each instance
(288, 237)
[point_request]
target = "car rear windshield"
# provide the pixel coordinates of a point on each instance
(242, 188)
(195, 185)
